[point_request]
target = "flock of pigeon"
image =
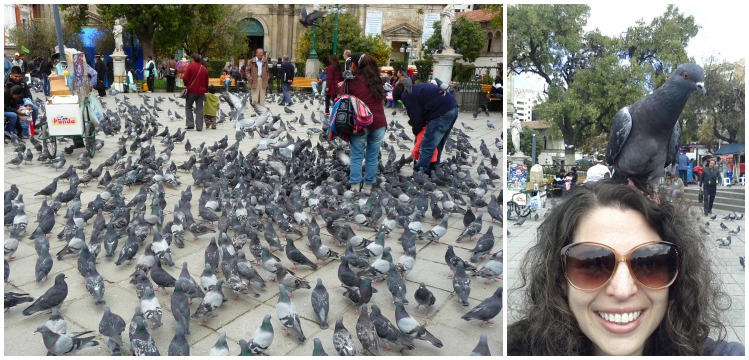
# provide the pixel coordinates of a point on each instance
(111, 215)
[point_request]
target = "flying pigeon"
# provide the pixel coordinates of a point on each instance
(644, 136)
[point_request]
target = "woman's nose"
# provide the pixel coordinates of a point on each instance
(622, 284)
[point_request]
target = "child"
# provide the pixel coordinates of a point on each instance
(210, 109)
(226, 80)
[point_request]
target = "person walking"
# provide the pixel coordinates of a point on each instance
(430, 110)
(171, 74)
(149, 72)
(101, 70)
(287, 77)
(683, 165)
(366, 85)
(333, 74)
(46, 70)
(259, 76)
(709, 181)
(196, 82)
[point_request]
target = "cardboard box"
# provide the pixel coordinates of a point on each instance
(57, 86)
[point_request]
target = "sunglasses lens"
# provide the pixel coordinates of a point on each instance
(655, 265)
(589, 266)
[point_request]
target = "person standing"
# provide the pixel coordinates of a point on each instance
(709, 181)
(366, 85)
(287, 77)
(149, 72)
(431, 109)
(683, 165)
(259, 76)
(47, 68)
(171, 74)
(346, 73)
(333, 73)
(211, 107)
(20, 62)
(196, 82)
(101, 70)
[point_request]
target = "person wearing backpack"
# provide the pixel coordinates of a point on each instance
(368, 87)
(432, 111)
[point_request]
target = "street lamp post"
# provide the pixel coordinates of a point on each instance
(313, 52)
(336, 9)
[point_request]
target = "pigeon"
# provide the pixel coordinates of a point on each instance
(289, 280)
(179, 345)
(211, 301)
(63, 344)
(725, 242)
(436, 232)
(48, 190)
(56, 322)
(287, 314)
(141, 342)
(387, 332)
(53, 297)
(162, 278)
(461, 284)
(321, 303)
(723, 226)
(487, 309)
(151, 308)
(736, 230)
(95, 283)
(644, 136)
(112, 325)
(181, 309)
(367, 333)
(482, 348)
(263, 337)
(296, 257)
(221, 348)
(423, 296)
(309, 19)
(741, 261)
(472, 229)
(12, 299)
(396, 285)
(483, 246)
(409, 326)
(342, 339)
(492, 269)
(318, 350)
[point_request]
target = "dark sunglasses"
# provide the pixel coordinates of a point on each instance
(589, 266)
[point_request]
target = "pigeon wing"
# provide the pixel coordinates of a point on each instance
(620, 129)
(673, 145)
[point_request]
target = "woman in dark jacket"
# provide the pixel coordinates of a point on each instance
(368, 87)
(333, 74)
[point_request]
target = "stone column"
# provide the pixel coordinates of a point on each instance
(285, 33)
(443, 64)
(118, 69)
(274, 44)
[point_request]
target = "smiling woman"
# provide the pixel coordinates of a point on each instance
(623, 276)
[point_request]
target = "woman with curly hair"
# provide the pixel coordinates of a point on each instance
(614, 273)
(368, 87)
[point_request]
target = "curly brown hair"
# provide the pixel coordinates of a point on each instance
(547, 325)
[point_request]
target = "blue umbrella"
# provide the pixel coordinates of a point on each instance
(734, 148)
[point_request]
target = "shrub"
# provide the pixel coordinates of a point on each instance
(424, 68)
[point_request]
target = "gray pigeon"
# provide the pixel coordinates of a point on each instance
(644, 136)
(53, 297)
(287, 314)
(95, 283)
(112, 326)
(461, 284)
(141, 342)
(483, 246)
(211, 301)
(409, 326)
(12, 299)
(423, 296)
(482, 348)
(221, 348)
(263, 337)
(151, 308)
(342, 339)
(396, 285)
(43, 266)
(318, 350)
(367, 333)
(297, 257)
(179, 345)
(321, 303)
(181, 309)
(63, 344)
(487, 309)
(56, 322)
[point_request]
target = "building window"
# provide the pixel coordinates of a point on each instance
(489, 44)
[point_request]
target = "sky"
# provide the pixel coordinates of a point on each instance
(722, 32)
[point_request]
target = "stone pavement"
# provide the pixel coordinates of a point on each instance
(240, 318)
(725, 262)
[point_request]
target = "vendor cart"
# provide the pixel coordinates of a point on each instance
(65, 118)
(522, 203)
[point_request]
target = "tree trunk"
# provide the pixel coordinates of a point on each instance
(147, 46)
(568, 134)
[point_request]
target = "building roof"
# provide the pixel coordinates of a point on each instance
(535, 124)
(477, 15)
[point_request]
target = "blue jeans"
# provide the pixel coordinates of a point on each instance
(373, 140)
(314, 87)
(13, 124)
(435, 136)
(226, 85)
(47, 89)
(286, 87)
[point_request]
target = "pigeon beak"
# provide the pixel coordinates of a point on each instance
(701, 87)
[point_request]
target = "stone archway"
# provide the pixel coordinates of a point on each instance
(255, 33)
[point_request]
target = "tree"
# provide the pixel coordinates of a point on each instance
(222, 37)
(468, 38)
(723, 109)
(40, 37)
(349, 37)
(590, 76)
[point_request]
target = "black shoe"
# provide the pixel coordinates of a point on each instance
(190, 128)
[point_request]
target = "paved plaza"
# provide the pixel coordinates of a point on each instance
(725, 262)
(239, 319)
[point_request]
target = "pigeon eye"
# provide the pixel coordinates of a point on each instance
(686, 76)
